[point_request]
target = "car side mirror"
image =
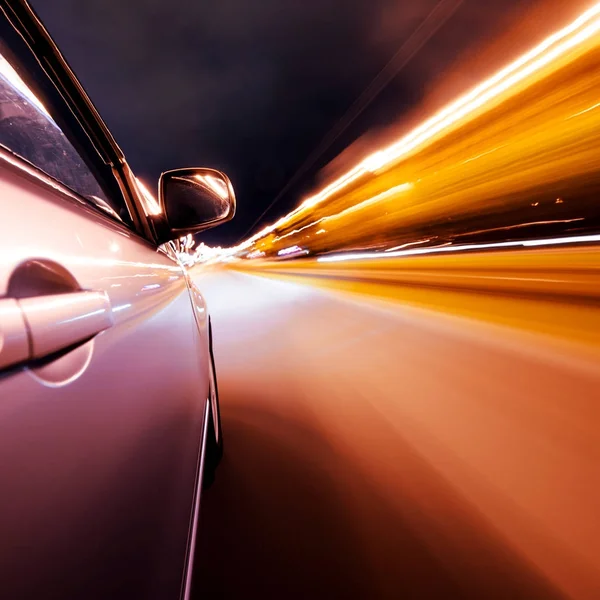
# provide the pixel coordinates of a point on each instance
(193, 200)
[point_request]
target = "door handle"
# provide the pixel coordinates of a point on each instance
(14, 344)
(59, 321)
(36, 327)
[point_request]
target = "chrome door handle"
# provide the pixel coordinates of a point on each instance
(14, 343)
(59, 321)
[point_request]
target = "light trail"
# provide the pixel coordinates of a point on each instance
(582, 239)
(501, 85)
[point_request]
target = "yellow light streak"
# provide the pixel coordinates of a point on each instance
(504, 81)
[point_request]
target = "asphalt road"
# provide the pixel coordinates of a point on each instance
(378, 450)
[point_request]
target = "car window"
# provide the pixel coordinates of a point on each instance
(28, 130)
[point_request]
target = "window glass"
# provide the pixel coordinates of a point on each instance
(28, 130)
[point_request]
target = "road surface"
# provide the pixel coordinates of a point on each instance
(376, 449)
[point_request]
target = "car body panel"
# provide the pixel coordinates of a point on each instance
(101, 445)
(104, 411)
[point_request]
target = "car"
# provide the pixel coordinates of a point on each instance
(109, 412)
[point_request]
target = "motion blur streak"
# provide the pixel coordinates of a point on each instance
(580, 239)
(516, 158)
(411, 359)
(381, 449)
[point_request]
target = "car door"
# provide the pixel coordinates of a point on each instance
(103, 372)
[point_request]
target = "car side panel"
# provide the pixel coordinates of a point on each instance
(100, 447)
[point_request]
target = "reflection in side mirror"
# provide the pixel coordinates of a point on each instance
(195, 199)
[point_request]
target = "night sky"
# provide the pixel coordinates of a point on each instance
(252, 86)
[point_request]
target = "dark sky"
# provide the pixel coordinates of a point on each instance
(252, 86)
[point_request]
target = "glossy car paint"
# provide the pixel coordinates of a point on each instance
(100, 446)
(14, 339)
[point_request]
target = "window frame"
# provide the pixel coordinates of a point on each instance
(31, 52)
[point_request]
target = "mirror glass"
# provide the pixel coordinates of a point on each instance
(194, 199)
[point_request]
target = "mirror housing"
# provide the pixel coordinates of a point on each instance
(192, 200)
